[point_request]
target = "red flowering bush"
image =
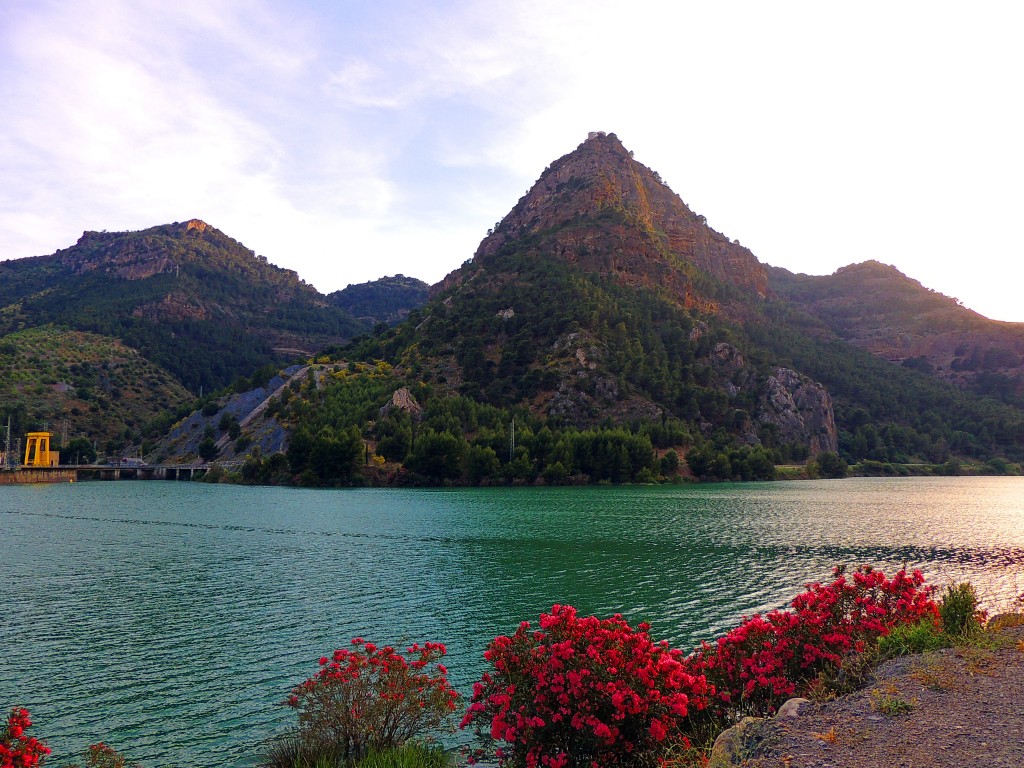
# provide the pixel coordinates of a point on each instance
(17, 749)
(583, 692)
(767, 659)
(373, 699)
(102, 756)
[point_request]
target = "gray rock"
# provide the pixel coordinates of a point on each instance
(735, 744)
(403, 400)
(791, 708)
(801, 410)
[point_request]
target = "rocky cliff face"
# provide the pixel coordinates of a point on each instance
(800, 409)
(600, 209)
(110, 252)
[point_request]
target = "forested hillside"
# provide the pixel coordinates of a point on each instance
(387, 300)
(186, 296)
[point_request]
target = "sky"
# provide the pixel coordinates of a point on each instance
(351, 140)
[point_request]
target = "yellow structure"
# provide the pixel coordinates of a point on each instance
(37, 450)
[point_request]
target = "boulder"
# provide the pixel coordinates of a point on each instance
(791, 708)
(736, 744)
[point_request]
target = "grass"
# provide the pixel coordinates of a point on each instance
(410, 755)
(978, 659)
(1005, 621)
(292, 751)
(934, 675)
(828, 736)
(907, 639)
(888, 701)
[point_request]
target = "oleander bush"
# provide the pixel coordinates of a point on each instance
(364, 700)
(17, 748)
(583, 692)
(755, 667)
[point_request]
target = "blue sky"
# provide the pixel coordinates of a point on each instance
(349, 140)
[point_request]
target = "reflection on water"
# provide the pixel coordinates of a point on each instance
(169, 619)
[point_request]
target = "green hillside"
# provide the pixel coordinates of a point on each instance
(82, 384)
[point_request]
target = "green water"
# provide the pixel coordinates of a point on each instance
(168, 619)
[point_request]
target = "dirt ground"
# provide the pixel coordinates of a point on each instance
(948, 709)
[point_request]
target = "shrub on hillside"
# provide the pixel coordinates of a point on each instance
(102, 756)
(959, 610)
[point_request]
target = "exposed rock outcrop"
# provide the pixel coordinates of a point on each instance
(173, 307)
(735, 744)
(403, 400)
(730, 367)
(800, 409)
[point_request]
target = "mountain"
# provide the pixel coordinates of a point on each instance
(387, 300)
(876, 307)
(585, 302)
(601, 330)
(185, 295)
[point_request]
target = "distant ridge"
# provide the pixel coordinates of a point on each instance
(386, 300)
(876, 307)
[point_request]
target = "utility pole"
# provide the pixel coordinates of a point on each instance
(512, 441)
(7, 445)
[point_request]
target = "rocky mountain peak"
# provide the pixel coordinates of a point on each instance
(601, 209)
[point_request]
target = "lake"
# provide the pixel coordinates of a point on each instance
(170, 619)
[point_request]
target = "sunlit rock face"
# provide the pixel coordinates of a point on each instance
(599, 208)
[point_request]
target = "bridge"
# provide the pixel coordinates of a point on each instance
(70, 473)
